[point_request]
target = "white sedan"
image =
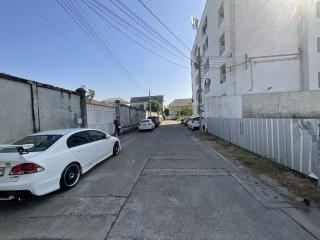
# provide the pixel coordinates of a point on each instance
(146, 124)
(194, 123)
(47, 161)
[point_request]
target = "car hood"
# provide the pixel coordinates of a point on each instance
(114, 138)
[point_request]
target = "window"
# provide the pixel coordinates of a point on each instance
(221, 14)
(207, 84)
(78, 139)
(222, 46)
(96, 135)
(223, 74)
(146, 121)
(195, 51)
(318, 44)
(204, 27)
(41, 143)
(318, 9)
(206, 66)
(205, 46)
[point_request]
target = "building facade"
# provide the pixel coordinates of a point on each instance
(142, 102)
(256, 78)
(111, 101)
(250, 47)
(176, 105)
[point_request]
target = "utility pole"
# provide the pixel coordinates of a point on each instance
(149, 104)
(199, 88)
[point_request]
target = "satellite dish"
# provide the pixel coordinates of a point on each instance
(194, 23)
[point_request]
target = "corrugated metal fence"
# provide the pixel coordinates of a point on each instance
(291, 142)
(130, 117)
(101, 117)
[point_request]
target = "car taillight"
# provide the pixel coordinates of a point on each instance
(26, 168)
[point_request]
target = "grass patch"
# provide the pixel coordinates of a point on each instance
(297, 183)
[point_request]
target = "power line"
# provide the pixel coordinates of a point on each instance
(105, 10)
(163, 24)
(132, 39)
(88, 29)
(85, 26)
(126, 10)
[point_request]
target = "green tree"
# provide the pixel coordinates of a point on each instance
(155, 106)
(90, 94)
(186, 110)
(166, 112)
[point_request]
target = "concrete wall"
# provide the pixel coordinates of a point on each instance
(303, 104)
(58, 109)
(27, 107)
(15, 110)
(223, 107)
(300, 104)
(130, 117)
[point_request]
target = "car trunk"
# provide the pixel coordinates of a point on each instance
(9, 160)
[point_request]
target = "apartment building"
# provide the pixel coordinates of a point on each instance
(256, 46)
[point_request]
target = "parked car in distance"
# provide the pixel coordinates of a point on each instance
(186, 120)
(194, 123)
(171, 117)
(155, 120)
(47, 161)
(146, 124)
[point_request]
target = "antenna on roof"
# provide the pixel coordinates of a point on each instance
(195, 23)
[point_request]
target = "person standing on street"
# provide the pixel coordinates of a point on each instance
(117, 127)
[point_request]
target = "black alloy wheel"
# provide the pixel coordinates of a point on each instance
(116, 148)
(70, 176)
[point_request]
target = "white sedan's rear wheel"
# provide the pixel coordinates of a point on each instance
(70, 176)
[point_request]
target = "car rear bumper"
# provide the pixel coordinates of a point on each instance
(14, 188)
(145, 127)
(37, 184)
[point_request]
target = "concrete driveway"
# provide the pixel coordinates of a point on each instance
(164, 184)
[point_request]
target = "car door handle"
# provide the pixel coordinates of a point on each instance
(79, 150)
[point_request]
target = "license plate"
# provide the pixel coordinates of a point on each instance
(2, 171)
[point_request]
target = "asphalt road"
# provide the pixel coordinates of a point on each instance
(164, 184)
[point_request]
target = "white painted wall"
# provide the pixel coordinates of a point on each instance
(223, 107)
(310, 31)
(255, 30)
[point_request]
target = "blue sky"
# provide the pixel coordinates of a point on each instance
(62, 55)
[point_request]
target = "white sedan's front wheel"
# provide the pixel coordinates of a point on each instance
(116, 148)
(70, 176)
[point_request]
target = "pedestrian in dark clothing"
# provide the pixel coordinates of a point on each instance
(117, 127)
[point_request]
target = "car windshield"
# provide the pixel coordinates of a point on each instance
(41, 143)
(145, 121)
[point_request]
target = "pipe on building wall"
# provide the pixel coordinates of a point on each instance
(251, 75)
(271, 58)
